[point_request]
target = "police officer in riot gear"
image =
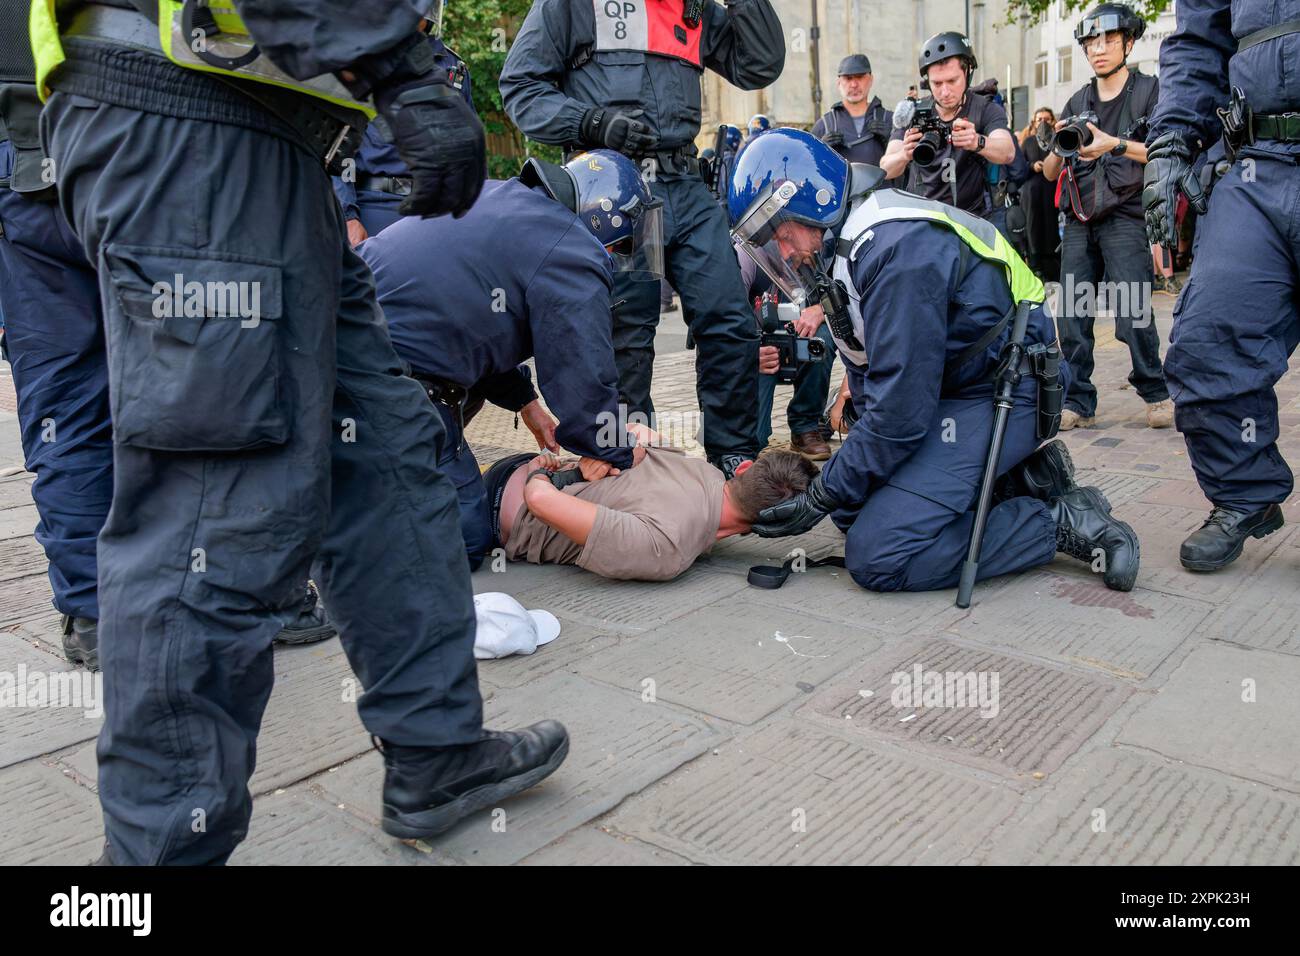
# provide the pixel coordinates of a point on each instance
(858, 127)
(258, 441)
(374, 184)
(54, 342)
(1236, 322)
(587, 74)
(921, 302)
(976, 131)
(464, 315)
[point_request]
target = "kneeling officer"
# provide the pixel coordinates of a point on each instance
(525, 273)
(922, 301)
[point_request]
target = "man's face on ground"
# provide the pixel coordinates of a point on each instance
(855, 87)
(948, 82)
(1106, 51)
(799, 244)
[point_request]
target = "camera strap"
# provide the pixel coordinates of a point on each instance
(770, 578)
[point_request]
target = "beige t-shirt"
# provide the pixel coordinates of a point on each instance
(652, 522)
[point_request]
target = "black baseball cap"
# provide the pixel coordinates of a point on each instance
(854, 64)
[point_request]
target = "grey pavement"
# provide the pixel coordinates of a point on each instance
(715, 723)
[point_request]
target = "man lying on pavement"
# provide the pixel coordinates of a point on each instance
(648, 523)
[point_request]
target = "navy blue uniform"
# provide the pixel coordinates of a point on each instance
(571, 55)
(54, 340)
(1236, 322)
(460, 311)
(910, 468)
(249, 449)
(377, 160)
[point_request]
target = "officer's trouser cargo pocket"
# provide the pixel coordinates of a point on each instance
(194, 350)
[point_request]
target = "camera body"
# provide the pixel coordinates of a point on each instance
(777, 330)
(1074, 135)
(935, 132)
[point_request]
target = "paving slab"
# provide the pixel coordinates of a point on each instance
(576, 643)
(1161, 530)
(44, 630)
(734, 659)
(1230, 709)
(630, 607)
(296, 828)
(18, 522)
(1068, 616)
(25, 598)
(1265, 612)
(1119, 487)
(47, 819)
(970, 705)
(66, 712)
(796, 794)
(1119, 808)
(620, 745)
(598, 846)
(518, 577)
(16, 491)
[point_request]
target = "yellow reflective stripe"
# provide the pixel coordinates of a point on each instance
(229, 21)
(1025, 286)
(44, 38)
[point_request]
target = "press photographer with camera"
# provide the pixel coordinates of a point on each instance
(1098, 148)
(944, 141)
(778, 363)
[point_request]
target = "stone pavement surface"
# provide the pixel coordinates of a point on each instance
(715, 723)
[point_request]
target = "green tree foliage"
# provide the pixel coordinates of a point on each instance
(1036, 10)
(480, 32)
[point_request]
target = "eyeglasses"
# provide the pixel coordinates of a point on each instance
(1101, 41)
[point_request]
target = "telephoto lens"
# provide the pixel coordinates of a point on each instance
(928, 148)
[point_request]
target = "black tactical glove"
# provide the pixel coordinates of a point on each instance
(623, 132)
(834, 139)
(1168, 172)
(796, 515)
(440, 139)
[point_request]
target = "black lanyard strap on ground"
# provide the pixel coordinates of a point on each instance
(1268, 33)
(770, 578)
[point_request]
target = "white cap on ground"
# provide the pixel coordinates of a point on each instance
(505, 627)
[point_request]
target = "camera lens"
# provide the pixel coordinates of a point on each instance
(928, 148)
(816, 348)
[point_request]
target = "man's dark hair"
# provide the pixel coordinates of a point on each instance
(774, 477)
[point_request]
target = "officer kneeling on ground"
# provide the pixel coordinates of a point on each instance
(944, 292)
(526, 272)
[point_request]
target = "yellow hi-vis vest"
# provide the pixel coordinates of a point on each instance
(233, 42)
(889, 205)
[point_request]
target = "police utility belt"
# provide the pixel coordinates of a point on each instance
(1244, 127)
(332, 134)
(393, 185)
(680, 161)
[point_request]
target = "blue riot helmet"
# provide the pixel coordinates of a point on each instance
(732, 137)
(606, 190)
(758, 123)
(786, 176)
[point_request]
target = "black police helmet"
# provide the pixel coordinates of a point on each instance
(941, 46)
(1106, 17)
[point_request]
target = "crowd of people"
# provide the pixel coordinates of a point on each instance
(258, 335)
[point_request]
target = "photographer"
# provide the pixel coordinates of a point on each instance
(1102, 198)
(811, 383)
(858, 127)
(973, 131)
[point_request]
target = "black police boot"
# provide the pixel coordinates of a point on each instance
(81, 641)
(427, 790)
(1084, 527)
(312, 624)
(1046, 475)
(727, 464)
(1218, 542)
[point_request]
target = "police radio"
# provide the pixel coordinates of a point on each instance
(830, 295)
(693, 12)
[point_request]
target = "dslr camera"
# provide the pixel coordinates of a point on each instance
(1074, 135)
(922, 114)
(776, 323)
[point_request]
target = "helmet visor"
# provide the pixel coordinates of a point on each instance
(641, 253)
(1099, 25)
(756, 233)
